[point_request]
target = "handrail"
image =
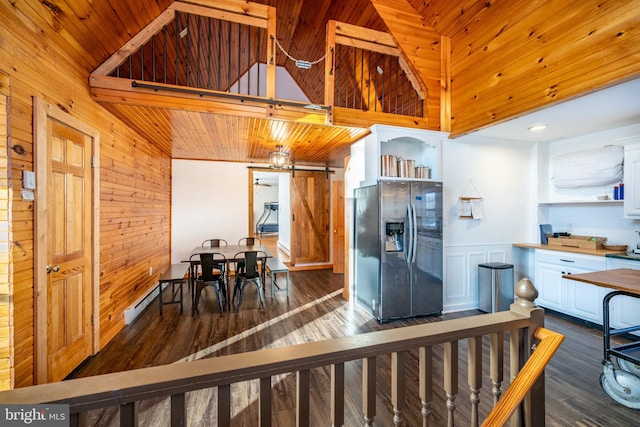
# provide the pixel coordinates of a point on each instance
(127, 389)
(120, 387)
(526, 378)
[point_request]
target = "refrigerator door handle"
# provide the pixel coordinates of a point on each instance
(415, 234)
(409, 228)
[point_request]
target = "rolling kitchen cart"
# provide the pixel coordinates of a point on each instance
(622, 384)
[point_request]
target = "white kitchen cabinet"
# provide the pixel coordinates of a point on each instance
(551, 293)
(421, 146)
(632, 178)
(574, 298)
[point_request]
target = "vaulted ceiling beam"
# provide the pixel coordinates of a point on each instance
(422, 47)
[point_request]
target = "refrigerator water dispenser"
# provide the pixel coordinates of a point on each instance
(394, 237)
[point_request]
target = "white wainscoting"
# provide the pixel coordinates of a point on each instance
(461, 272)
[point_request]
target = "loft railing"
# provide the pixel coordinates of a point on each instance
(366, 71)
(210, 49)
(225, 52)
(177, 383)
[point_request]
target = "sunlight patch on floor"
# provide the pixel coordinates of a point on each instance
(214, 348)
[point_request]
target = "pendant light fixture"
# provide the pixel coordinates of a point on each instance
(279, 159)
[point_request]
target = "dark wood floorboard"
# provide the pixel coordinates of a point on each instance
(315, 311)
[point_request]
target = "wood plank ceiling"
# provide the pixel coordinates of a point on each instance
(91, 32)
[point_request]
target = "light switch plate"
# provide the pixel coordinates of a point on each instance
(29, 180)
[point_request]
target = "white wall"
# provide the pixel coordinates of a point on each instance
(211, 200)
(286, 87)
(499, 173)
(208, 200)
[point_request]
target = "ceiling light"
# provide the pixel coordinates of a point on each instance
(536, 128)
(279, 159)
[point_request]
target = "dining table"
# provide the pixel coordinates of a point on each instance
(232, 253)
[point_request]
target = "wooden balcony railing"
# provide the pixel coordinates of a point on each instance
(225, 54)
(438, 340)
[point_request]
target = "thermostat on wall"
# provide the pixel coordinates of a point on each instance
(29, 180)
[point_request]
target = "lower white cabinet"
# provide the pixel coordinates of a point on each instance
(574, 298)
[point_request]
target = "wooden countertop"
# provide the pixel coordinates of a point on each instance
(598, 252)
(620, 279)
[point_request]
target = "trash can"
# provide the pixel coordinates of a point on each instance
(495, 286)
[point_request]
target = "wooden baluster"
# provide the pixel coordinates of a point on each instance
(129, 414)
(178, 410)
(425, 369)
(398, 360)
(496, 364)
(369, 390)
(265, 402)
(302, 398)
(451, 378)
(474, 376)
(224, 405)
(516, 352)
(337, 394)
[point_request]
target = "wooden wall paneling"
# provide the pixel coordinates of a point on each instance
(7, 370)
(35, 16)
(44, 68)
(451, 17)
(562, 54)
(445, 85)
(22, 239)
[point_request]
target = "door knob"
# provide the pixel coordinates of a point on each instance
(54, 268)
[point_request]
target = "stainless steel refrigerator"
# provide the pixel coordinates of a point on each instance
(398, 249)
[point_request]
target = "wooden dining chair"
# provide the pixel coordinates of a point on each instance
(214, 243)
(250, 274)
(250, 241)
(212, 273)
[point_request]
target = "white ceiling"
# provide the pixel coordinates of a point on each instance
(610, 108)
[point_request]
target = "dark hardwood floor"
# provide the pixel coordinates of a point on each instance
(315, 311)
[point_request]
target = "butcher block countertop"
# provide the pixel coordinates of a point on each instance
(585, 251)
(620, 279)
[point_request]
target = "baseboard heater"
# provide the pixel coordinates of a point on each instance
(134, 310)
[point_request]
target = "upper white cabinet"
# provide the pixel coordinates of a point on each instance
(632, 178)
(422, 146)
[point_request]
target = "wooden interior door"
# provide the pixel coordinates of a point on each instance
(65, 275)
(337, 201)
(310, 217)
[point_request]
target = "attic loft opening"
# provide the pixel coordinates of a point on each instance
(214, 60)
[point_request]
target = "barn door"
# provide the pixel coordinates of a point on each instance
(65, 298)
(310, 217)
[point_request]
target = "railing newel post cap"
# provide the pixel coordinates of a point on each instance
(526, 293)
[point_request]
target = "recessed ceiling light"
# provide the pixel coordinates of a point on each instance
(536, 128)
